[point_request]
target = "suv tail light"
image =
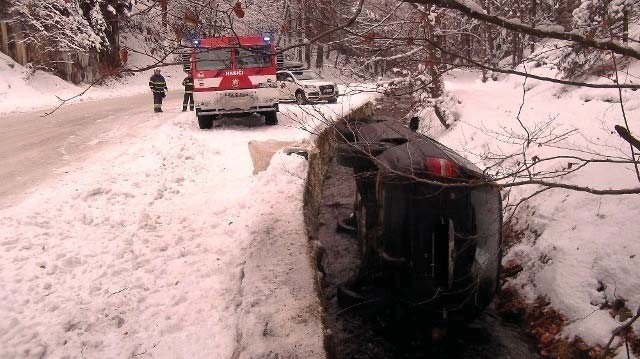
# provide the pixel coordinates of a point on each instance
(441, 167)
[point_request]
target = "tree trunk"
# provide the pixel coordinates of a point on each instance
(469, 42)
(522, 38)
(625, 26)
(534, 16)
(514, 50)
(490, 49)
(163, 6)
(299, 35)
(320, 56)
(434, 61)
(307, 32)
(300, 51)
(285, 32)
(5, 37)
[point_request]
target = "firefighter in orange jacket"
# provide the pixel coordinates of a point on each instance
(188, 93)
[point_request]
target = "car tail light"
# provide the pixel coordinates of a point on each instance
(441, 167)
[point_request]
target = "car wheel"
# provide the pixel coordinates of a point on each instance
(332, 100)
(271, 118)
(205, 122)
(301, 98)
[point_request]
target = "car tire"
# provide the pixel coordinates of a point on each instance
(301, 98)
(332, 100)
(271, 118)
(205, 122)
(348, 225)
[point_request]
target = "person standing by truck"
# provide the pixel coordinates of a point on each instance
(188, 93)
(158, 85)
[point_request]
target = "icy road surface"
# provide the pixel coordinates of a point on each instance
(33, 145)
(145, 236)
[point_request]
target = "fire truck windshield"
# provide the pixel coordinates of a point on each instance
(213, 59)
(256, 56)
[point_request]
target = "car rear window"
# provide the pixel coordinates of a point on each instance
(307, 75)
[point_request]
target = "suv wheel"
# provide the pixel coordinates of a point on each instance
(301, 98)
(332, 100)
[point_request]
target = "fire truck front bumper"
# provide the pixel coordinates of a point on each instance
(204, 109)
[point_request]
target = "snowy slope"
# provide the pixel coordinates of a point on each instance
(574, 240)
(166, 247)
(22, 89)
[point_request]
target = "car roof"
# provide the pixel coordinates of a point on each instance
(292, 71)
(411, 147)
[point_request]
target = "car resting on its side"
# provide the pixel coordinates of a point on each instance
(429, 223)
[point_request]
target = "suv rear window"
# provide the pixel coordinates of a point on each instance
(306, 75)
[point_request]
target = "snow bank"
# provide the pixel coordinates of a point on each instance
(166, 246)
(117, 260)
(581, 250)
(281, 310)
(43, 89)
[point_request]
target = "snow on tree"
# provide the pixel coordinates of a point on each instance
(599, 19)
(70, 25)
(59, 25)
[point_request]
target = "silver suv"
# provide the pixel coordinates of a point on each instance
(304, 86)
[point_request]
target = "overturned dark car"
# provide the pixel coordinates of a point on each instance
(428, 223)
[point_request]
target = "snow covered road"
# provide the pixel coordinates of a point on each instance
(33, 146)
(139, 248)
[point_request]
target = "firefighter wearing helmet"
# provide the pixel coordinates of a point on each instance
(188, 93)
(158, 85)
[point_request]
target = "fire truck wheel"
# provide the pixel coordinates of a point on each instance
(301, 98)
(205, 122)
(271, 118)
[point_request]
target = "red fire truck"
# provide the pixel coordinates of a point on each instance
(234, 75)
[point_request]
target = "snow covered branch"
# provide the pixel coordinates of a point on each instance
(475, 11)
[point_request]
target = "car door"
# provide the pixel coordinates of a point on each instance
(282, 86)
(292, 85)
(285, 82)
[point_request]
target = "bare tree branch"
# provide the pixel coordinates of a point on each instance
(515, 25)
(627, 136)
